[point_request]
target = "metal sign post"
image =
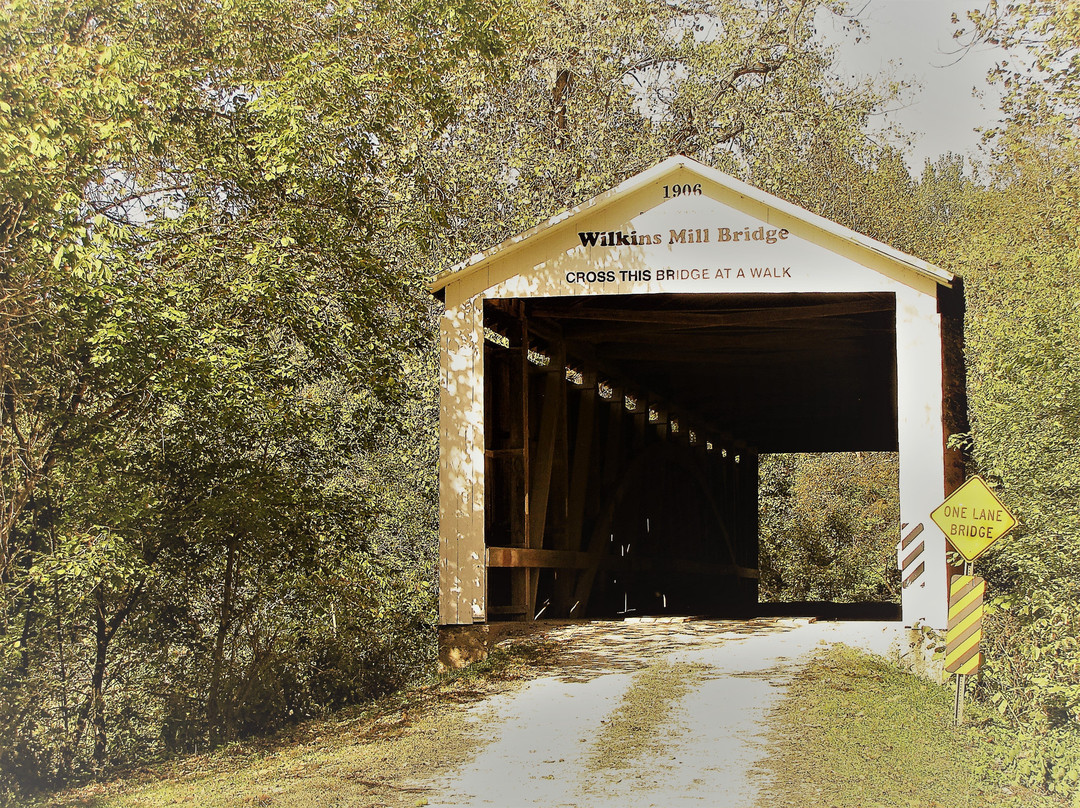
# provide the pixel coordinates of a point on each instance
(958, 708)
(961, 678)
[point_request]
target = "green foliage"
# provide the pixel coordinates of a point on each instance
(597, 92)
(1031, 678)
(828, 527)
(1044, 82)
(1019, 259)
(1015, 244)
(856, 731)
(1020, 263)
(216, 426)
(216, 354)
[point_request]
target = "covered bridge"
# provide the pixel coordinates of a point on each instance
(610, 377)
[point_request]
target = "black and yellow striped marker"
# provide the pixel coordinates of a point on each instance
(964, 633)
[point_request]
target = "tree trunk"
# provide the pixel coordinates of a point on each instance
(213, 705)
(40, 522)
(564, 83)
(102, 638)
(92, 711)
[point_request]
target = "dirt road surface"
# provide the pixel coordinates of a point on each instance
(642, 714)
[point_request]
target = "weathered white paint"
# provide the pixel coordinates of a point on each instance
(922, 446)
(793, 264)
(461, 466)
(817, 256)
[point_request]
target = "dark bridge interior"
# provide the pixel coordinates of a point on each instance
(783, 372)
(622, 437)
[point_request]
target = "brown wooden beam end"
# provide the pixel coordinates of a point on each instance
(722, 317)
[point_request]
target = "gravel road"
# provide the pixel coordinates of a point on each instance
(641, 714)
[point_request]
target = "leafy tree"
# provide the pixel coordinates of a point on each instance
(205, 360)
(216, 443)
(1016, 247)
(828, 527)
(1019, 257)
(597, 92)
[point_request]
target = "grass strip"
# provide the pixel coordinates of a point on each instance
(633, 730)
(857, 732)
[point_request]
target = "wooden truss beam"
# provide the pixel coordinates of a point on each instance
(578, 469)
(520, 557)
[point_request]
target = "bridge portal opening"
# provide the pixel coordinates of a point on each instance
(636, 491)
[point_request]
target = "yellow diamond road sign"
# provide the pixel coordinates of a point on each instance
(973, 518)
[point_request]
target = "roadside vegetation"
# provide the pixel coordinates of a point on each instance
(856, 731)
(217, 351)
(371, 754)
(827, 529)
(853, 731)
